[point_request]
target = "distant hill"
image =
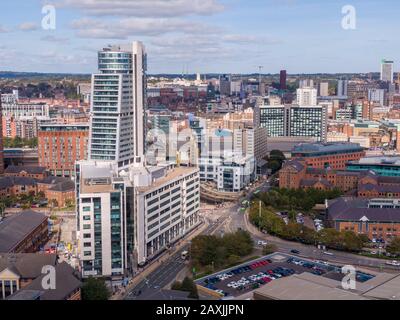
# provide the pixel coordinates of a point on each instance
(38, 75)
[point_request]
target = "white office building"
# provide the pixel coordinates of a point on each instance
(324, 89)
(377, 96)
(307, 96)
(128, 217)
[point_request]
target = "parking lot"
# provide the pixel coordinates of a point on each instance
(250, 276)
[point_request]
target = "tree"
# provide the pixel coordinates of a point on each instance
(269, 248)
(394, 246)
(189, 286)
(275, 160)
(95, 289)
(186, 285)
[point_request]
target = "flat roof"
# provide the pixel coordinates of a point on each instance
(171, 175)
(304, 287)
(379, 160)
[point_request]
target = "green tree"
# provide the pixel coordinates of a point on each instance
(269, 248)
(95, 289)
(394, 246)
(189, 286)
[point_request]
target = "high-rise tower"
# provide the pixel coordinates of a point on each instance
(387, 71)
(118, 101)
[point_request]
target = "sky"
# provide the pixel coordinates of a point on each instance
(202, 36)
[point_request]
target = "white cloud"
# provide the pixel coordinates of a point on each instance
(28, 26)
(145, 8)
(122, 29)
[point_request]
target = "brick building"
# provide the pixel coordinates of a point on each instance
(295, 174)
(328, 155)
(26, 171)
(21, 278)
(60, 145)
(59, 191)
(23, 232)
(376, 218)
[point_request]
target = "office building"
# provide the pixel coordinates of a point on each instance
(384, 166)
(282, 80)
(324, 89)
(342, 88)
(117, 107)
(126, 218)
(61, 145)
(306, 83)
(306, 96)
(387, 70)
(11, 107)
(377, 96)
(225, 85)
(295, 121)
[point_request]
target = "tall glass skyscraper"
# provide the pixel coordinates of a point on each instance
(118, 103)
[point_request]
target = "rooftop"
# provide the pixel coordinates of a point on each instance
(389, 161)
(15, 228)
(310, 148)
(66, 283)
(28, 169)
(171, 175)
(26, 265)
(356, 209)
(304, 287)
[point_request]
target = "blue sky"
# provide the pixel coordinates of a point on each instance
(233, 36)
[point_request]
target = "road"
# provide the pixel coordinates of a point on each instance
(168, 271)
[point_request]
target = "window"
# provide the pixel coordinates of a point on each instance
(86, 218)
(86, 226)
(87, 253)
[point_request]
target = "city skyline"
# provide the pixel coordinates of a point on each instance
(202, 36)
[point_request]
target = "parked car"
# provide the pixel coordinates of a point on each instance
(295, 251)
(393, 263)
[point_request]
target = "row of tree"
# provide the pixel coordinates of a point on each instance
(209, 250)
(297, 199)
(18, 142)
(331, 238)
